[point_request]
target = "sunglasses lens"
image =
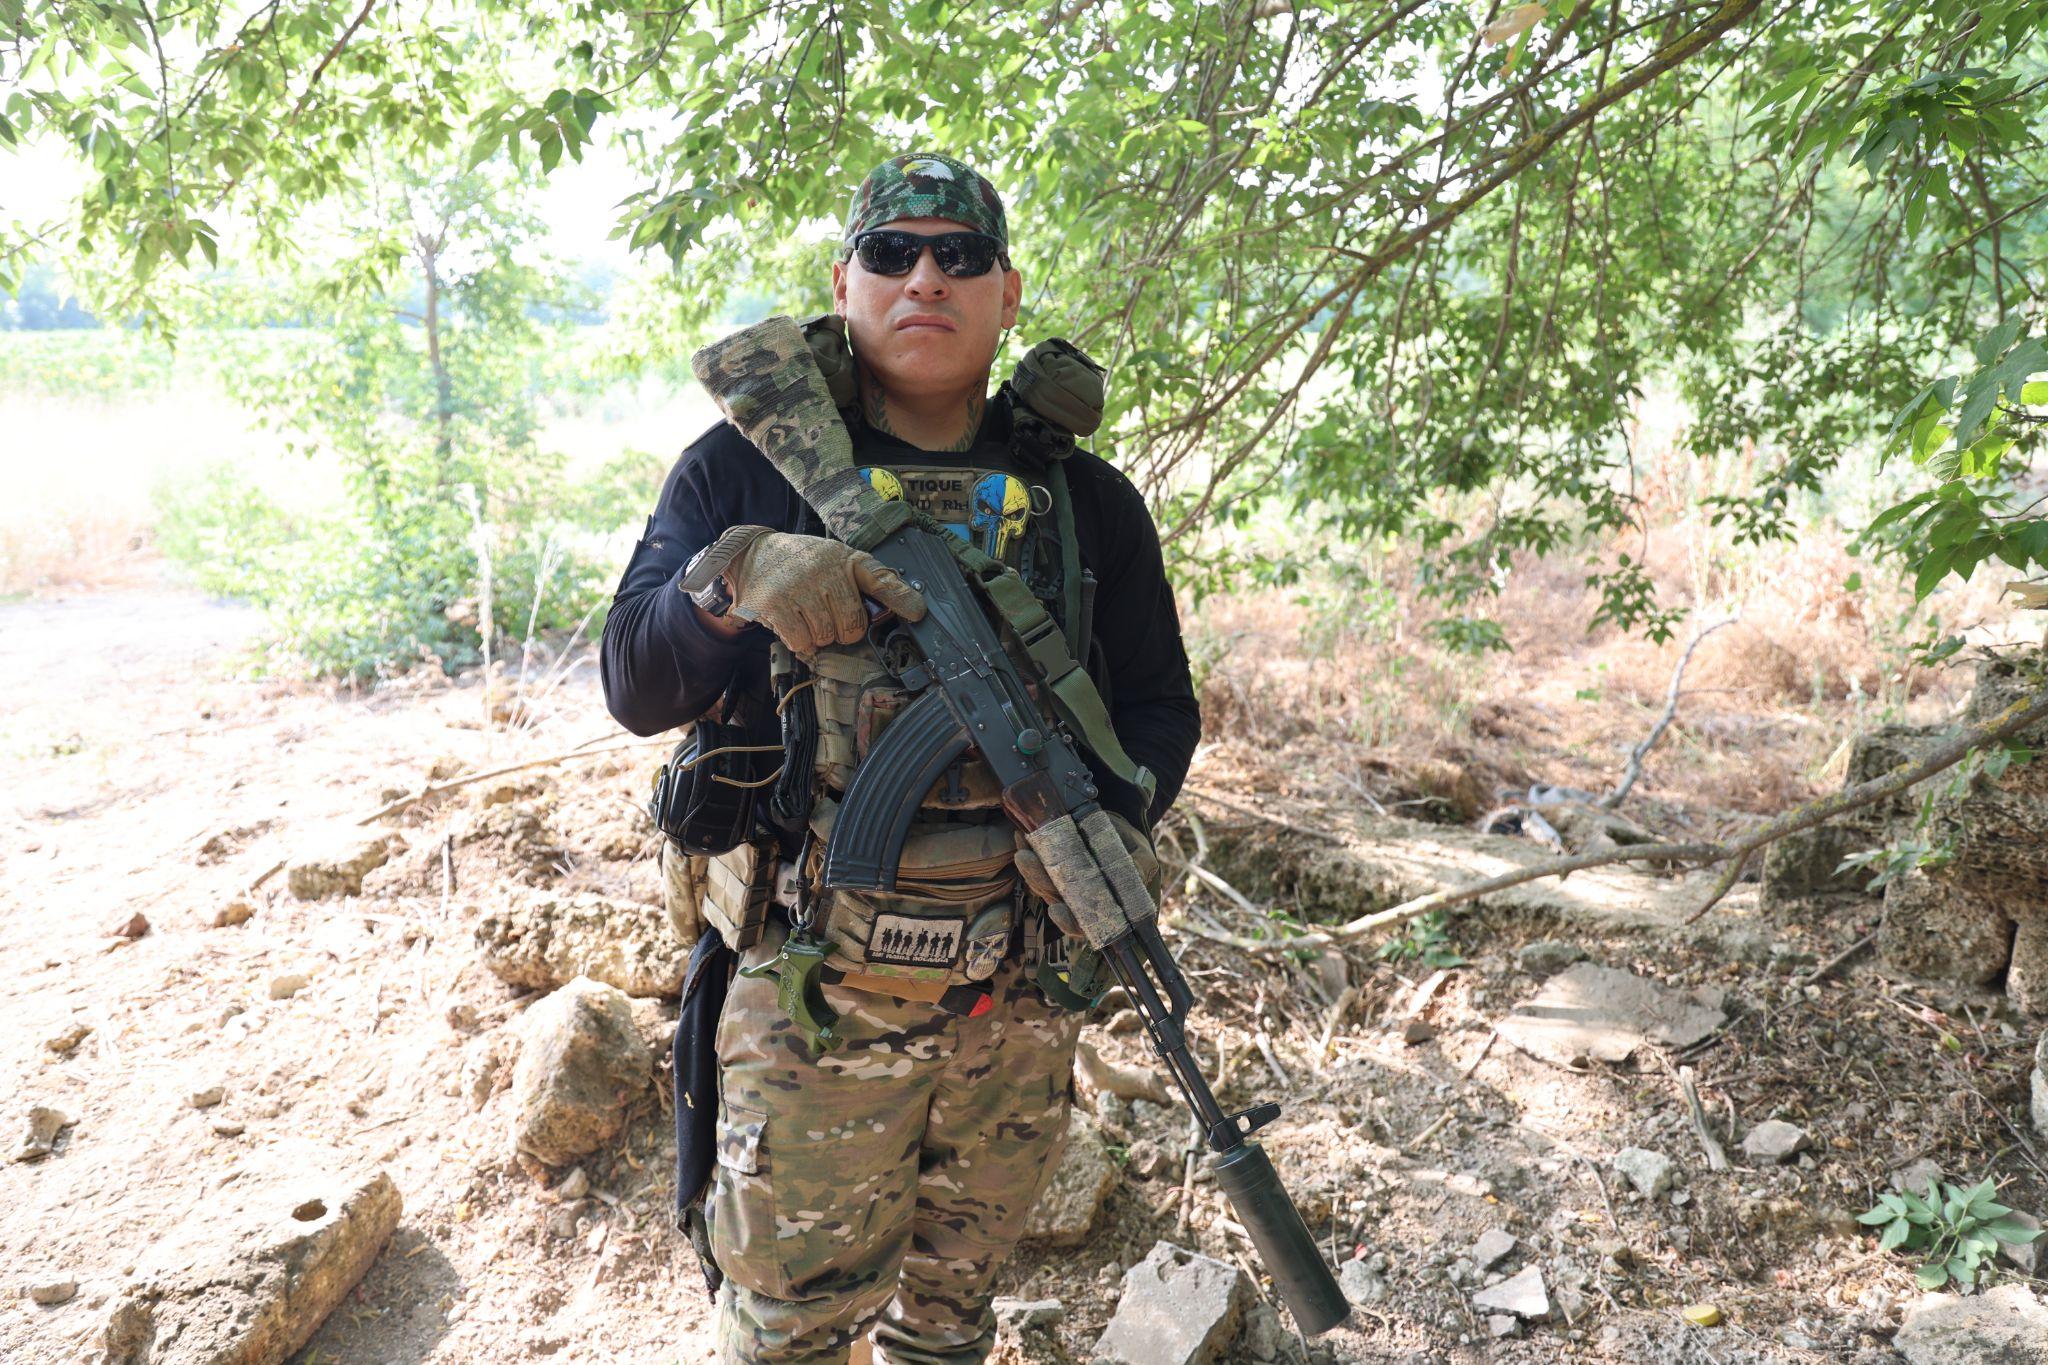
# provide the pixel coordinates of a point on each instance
(962, 254)
(888, 253)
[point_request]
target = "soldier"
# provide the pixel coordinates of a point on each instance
(871, 1190)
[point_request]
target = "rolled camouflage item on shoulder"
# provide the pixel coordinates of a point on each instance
(767, 383)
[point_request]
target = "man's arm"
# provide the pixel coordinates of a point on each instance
(663, 661)
(1151, 693)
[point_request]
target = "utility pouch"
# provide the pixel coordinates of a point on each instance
(704, 796)
(739, 888)
(683, 876)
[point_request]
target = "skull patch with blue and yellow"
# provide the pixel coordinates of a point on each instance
(988, 510)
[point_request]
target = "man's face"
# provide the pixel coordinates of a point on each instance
(926, 332)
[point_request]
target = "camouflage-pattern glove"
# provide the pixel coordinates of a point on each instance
(806, 589)
(1032, 869)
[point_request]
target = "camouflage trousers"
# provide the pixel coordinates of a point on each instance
(879, 1186)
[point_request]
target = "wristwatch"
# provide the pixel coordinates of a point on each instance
(715, 597)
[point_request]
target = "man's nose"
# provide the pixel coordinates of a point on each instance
(926, 280)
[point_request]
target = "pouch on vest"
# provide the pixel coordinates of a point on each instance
(949, 920)
(739, 886)
(683, 878)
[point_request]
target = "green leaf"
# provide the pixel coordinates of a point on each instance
(2013, 1231)
(1894, 1234)
(1931, 1276)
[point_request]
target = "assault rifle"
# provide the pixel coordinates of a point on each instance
(970, 693)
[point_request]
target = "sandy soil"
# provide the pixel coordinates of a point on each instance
(144, 773)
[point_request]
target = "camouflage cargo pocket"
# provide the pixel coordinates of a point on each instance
(682, 890)
(741, 1205)
(949, 919)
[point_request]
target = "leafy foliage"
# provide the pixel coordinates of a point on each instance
(1956, 1233)
(1403, 271)
(1426, 940)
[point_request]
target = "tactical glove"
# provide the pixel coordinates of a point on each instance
(1032, 869)
(806, 589)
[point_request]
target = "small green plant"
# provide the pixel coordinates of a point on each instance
(1425, 940)
(1956, 1231)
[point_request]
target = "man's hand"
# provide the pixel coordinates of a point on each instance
(808, 589)
(1032, 869)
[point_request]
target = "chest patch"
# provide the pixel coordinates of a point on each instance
(914, 941)
(989, 510)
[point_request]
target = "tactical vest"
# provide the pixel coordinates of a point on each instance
(958, 899)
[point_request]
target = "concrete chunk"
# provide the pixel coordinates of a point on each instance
(1494, 1246)
(251, 1280)
(1178, 1308)
(1650, 1172)
(1775, 1140)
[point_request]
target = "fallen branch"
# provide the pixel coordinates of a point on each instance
(1634, 770)
(2023, 713)
(1837, 962)
(1255, 813)
(1124, 1082)
(437, 788)
(1696, 1114)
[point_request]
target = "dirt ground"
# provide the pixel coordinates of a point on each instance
(145, 773)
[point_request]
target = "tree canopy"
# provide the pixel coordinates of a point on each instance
(1401, 264)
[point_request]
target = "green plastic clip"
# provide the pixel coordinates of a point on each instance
(795, 968)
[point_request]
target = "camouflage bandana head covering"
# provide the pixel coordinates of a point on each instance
(926, 185)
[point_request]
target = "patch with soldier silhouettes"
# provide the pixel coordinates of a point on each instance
(914, 942)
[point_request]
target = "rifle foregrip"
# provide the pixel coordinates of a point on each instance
(1288, 1251)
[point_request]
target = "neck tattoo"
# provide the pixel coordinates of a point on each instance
(875, 408)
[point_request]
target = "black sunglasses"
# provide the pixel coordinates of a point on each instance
(960, 255)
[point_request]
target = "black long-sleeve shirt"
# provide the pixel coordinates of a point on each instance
(661, 666)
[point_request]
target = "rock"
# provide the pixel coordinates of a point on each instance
(1332, 972)
(581, 1064)
(486, 1066)
(574, 1186)
(1417, 1031)
(1546, 957)
(2022, 1256)
(289, 984)
(1361, 1283)
(251, 1281)
(1775, 1140)
(1933, 928)
(1912, 1177)
(334, 861)
(1807, 862)
(1067, 1207)
(134, 926)
(1267, 1340)
(66, 1040)
(1701, 1314)
(1501, 1326)
(1147, 1160)
(228, 1128)
(1521, 1294)
(1022, 1314)
(1650, 1172)
(2037, 1109)
(1603, 1014)
(1177, 1308)
(1494, 1246)
(235, 912)
(52, 1292)
(553, 939)
(2026, 977)
(2007, 1325)
(44, 1123)
(207, 1097)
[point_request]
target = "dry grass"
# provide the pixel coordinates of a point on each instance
(1353, 694)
